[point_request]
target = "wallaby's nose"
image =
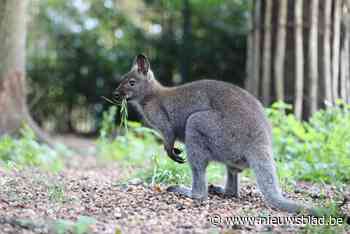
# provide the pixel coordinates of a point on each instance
(117, 94)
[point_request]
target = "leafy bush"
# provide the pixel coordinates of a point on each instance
(26, 151)
(332, 219)
(317, 150)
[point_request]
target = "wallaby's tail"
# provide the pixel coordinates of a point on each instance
(261, 162)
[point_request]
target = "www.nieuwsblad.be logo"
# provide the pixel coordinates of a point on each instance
(217, 220)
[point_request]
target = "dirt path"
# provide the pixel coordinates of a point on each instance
(31, 201)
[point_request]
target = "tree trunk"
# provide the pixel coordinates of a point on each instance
(12, 66)
(256, 46)
(299, 59)
(248, 83)
(280, 49)
(327, 51)
(266, 79)
(13, 106)
(313, 55)
(345, 56)
(336, 48)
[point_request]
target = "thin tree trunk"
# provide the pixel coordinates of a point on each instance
(346, 23)
(250, 55)
(256, 44)
(345, 72)
(327, 52)
(336, 45)
(299, 59)
(313, 59)
(266, 79)
(280, 49)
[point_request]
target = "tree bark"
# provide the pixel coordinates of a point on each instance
(266, 79)
(12, 66)
(346, 23)
(345, 56)
(343, 69)
(336, 49)
(250, 55)
(256, 45)
(327, 51)
(313, 55)
(299, 59)
(13, 105)
(280, 50)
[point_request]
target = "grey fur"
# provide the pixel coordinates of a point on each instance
(218, 122)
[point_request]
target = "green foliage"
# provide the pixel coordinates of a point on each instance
(56, 192)
(124, 114)
(334, 220)
(81, 226)
(317, 150)
(108, 123)
(165, 171)
(26, 151)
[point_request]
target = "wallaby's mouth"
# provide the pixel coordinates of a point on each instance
(119, 96)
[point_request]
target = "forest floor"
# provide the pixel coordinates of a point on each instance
(33, 201)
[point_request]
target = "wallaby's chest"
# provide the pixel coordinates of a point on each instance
(161, 116)
(172, 111)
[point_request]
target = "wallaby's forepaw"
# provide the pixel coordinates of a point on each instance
(174, 155)
(177, 151)
(185, 192)
(220, 191)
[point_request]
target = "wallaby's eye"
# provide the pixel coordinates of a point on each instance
(132, 82)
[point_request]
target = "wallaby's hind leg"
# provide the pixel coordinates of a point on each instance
(198, 154)
(199, 181)
(232, 185)
(198, 159)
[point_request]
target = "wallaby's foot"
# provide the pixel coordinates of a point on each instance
(216, 190)
(220, 191)
(186, 192)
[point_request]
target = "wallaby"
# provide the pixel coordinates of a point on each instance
(217, 121)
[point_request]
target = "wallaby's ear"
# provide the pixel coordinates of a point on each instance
(142, 64)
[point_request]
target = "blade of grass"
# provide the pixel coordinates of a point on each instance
(124, 115)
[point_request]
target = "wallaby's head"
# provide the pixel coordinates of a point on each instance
(138, 82)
